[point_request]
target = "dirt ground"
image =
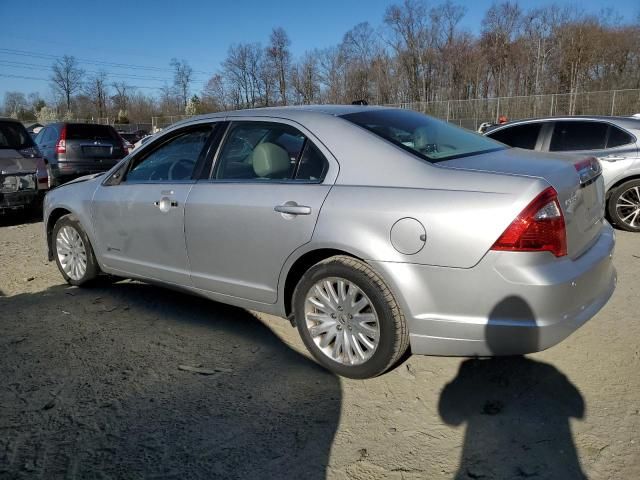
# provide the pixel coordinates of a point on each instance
(90, 387)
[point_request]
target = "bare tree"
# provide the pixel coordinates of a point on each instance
(306, 79)
(182, 78)
(66, 78)
(409, 27)
(96, 90)
(214, 94)
(14, 103)
(242, 68)
(121, 98)
(280, 57)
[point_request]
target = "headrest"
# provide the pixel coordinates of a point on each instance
(421, 138)
(270, 160)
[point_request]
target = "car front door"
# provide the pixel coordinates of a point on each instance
(138, 212)
(260, 204)
(525, 135)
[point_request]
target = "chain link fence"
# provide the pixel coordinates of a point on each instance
(158, 123)
(472, 113)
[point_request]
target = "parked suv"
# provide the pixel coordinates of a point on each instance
(19, 160)
(71, 150)
(613, 140)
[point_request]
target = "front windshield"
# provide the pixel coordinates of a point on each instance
(14, 136)
(426, 137)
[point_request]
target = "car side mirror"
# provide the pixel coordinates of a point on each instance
(117, 176)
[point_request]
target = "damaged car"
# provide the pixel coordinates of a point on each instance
(19, 161)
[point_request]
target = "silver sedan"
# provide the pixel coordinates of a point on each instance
(373, 230)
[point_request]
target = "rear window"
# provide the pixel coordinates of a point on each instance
(84, 131)
(569, 135)
(425, 137)
(520, 136)
(14, 136)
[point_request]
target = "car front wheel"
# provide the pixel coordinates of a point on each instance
(73, 253)
(624, 206)
(349, 319)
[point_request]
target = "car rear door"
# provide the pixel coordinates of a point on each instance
(614, 147)
(138, 212)
(260, 204)
(46, 141)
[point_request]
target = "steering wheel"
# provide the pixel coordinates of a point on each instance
(187, 163)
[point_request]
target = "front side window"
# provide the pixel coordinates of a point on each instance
(174, 160)
(269, 151)
(572, 135)
(520, 136)
(430, 139)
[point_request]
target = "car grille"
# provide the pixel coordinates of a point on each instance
(17, 183)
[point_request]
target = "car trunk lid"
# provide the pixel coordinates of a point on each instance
(577, 180)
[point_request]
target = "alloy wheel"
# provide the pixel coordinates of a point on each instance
(71, 252)
(342, 321)
(628, 207)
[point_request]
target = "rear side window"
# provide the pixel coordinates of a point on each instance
(520, 136)
(269, 151)
(568, 136)
(312, 166)
(618, 137)
(84, 131)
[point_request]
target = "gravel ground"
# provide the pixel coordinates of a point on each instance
(98, 383)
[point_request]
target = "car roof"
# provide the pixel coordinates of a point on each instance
(297, 112)
(628, 122)
(9, 119)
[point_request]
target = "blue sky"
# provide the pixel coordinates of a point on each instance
(148, 34)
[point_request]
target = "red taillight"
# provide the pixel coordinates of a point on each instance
(61, 144)
(539, 228)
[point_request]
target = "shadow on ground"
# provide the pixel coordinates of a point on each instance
(94, 390)
(20, 217)
(516, 409)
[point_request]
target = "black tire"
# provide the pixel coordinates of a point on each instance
(615, 216)
(92, 269)
(394, 335)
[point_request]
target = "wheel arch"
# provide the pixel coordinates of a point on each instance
(301, 265)
(620, 181)
(55, 215)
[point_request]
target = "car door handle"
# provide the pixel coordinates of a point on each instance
(611, 158)
(293, 209)
(165, 203)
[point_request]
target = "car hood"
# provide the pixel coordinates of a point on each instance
(11, 161)
(85, 178)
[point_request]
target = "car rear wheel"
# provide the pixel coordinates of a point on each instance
(73, 253)
(348, 318)
(624, 206)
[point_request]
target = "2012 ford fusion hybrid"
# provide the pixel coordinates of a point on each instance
(373, 230)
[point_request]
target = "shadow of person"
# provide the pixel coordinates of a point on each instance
(517, 412)
(96, 392)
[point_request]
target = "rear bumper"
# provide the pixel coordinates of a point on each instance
(511, 303)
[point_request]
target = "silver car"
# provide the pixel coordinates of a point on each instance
(372, 229)
(613, 140)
